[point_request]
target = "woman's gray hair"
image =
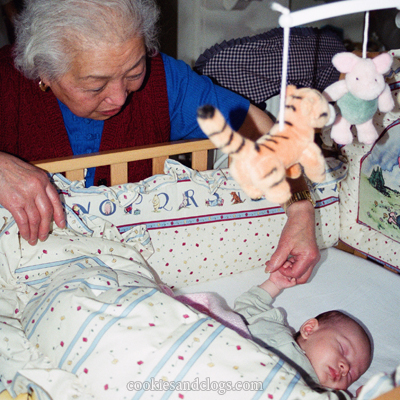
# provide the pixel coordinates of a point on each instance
(49, 32)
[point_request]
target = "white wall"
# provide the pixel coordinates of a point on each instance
(352, 25)
(203, 23)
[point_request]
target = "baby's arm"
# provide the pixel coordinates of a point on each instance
(255, 305)
(257, 302)
(277, 282)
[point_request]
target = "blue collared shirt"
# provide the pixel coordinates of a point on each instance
(84, 135)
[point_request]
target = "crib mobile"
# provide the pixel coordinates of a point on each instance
(261, 167)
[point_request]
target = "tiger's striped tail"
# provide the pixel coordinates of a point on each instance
(214, 125)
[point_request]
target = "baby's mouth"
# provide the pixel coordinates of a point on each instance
(334, 374)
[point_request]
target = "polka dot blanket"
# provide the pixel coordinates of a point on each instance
(83, 317)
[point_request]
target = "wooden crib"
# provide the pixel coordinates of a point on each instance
(74, 166)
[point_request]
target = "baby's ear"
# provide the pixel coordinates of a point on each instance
(308, 328)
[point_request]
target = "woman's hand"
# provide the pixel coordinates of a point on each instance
(32, 200)
(298, 241)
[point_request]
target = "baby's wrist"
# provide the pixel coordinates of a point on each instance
(270, 287)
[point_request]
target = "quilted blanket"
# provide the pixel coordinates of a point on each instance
(82, 317)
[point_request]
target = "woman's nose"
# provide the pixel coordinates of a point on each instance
(117, 94)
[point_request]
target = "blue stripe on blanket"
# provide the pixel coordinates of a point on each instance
(169, 353)
(37, 320)
(60, 263)
(291, 387)
(268, 379)
(194, 358)
(50, 302)
(35, 282)
(5, 230)
(89, 285)
(109, 324)
(88, 320)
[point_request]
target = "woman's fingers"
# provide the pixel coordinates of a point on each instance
(30, 197)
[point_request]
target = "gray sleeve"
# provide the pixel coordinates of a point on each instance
(254, 304)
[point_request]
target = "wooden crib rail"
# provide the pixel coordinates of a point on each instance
(394, 394)
(74, 166)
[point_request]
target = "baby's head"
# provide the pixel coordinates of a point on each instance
(338, 348)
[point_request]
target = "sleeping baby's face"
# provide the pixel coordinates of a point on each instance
(339, 353)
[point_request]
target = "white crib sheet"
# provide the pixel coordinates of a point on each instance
(341, 281)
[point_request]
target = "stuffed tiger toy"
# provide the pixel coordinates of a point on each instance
(261, 167)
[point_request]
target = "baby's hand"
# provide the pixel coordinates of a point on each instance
(281, 281)
(277, 281)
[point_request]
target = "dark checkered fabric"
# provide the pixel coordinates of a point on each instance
(252, 66)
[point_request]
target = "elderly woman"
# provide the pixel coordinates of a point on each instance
(86, 76)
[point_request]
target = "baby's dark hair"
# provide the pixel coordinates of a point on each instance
(335, 316)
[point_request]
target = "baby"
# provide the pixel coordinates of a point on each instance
(332, 348)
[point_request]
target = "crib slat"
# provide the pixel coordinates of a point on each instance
(158, 165)
(76, 175)
(119, 173)
(199, 160)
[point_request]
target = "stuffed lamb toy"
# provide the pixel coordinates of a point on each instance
(359, 95)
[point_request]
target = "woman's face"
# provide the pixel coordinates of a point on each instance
(101, 79)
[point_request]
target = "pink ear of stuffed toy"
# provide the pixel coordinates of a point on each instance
(359, 95)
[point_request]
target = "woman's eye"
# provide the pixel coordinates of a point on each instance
(134, 77)
(97, 89)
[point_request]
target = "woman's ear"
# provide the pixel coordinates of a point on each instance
(308, 328)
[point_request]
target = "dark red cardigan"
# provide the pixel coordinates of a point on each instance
(32, 126)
